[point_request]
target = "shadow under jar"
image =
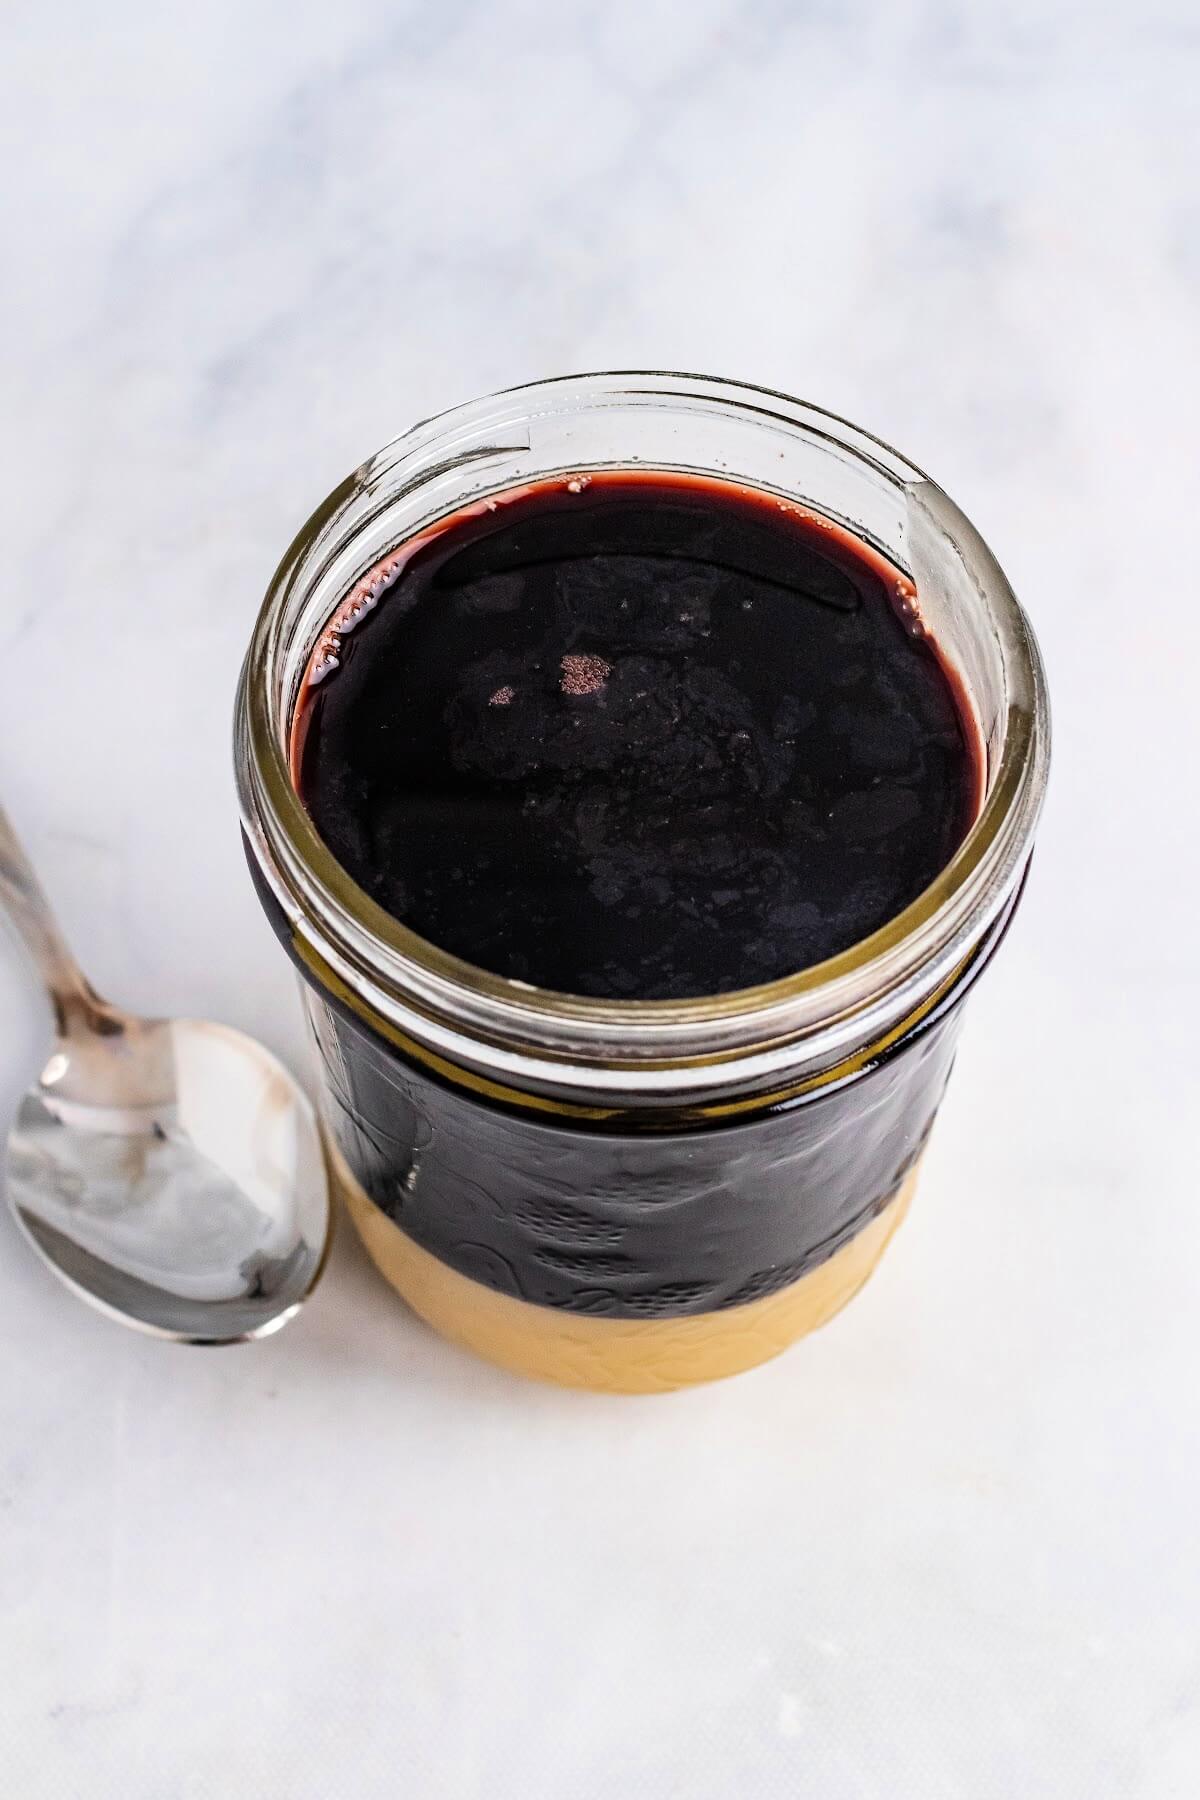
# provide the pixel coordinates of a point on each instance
(699, 1152)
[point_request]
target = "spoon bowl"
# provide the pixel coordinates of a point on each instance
(179, 1184)
(170, 1171)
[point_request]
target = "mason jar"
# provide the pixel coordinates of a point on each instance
(636, 1194)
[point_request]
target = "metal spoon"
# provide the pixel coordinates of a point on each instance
(168, 1170)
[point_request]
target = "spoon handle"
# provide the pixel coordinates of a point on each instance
(76, 1004)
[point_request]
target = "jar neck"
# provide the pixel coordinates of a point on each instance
(655, 1052)
(557, 1089)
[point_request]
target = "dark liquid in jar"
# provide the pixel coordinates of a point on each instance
(636, 735)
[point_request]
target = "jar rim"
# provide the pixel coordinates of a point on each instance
(454, 1005)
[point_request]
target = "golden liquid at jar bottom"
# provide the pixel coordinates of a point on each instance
(614, 1355)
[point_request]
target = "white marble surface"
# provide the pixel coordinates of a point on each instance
(949, 1547)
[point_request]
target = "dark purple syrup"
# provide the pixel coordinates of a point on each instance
(636, 735)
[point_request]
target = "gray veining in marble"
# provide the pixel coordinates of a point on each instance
(949, 1547)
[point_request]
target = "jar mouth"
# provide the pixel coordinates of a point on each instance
(451, 1004)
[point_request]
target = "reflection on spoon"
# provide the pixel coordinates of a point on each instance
(170, 1171)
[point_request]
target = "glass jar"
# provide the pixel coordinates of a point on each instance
(636, 1195)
